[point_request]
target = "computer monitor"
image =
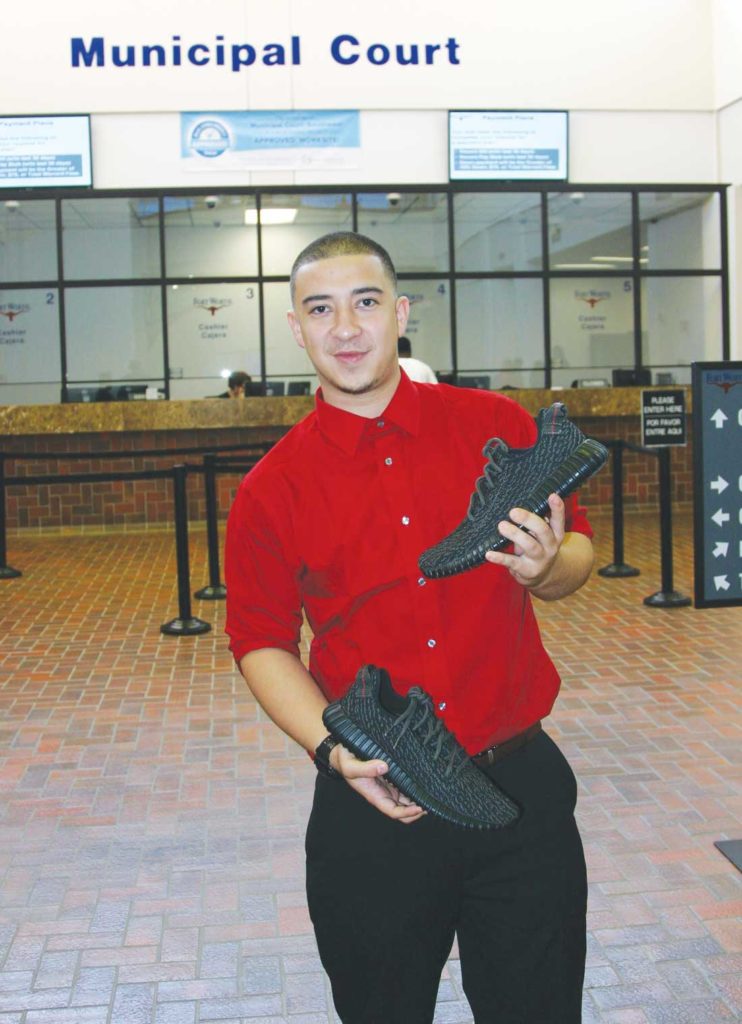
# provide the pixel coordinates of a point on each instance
(631, 377)
(275, 387)
(299, 387)
(483, 382)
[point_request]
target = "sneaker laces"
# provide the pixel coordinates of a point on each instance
(493, 452)
(420, 718)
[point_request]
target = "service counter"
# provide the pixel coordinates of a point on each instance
(94, 430)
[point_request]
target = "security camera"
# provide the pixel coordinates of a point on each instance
(393, 198)
(211, 202)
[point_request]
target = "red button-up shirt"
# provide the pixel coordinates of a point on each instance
(333, 520)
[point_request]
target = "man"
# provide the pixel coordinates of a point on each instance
(333, 521)
(237, 385)
(415, 369)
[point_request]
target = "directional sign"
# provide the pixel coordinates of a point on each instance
(663, 417)
(717, 491)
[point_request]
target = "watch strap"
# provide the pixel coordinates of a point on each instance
(322, 757)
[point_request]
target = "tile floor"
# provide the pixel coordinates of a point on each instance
(151, 819)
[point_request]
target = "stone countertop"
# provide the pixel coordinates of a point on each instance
(211, 414)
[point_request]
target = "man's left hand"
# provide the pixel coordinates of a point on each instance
(535, 541)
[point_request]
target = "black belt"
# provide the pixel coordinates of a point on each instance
(494, 754)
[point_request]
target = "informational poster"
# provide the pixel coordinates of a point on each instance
(510, 145)
(663, 417)
(45, 151)
(717, 465)
(270, 140)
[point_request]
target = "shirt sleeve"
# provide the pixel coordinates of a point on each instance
(260, 568)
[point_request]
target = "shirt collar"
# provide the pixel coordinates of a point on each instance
(345, 429)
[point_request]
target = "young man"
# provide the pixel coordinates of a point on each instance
(333, 521)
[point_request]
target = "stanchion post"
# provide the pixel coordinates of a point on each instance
(618, 567)
(7, 572)
(186, 624)
(216, 590)
(668, 597)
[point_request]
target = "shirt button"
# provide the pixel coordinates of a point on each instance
(379, 423)
(422, 581)
(387, 461)
(405, 520)
(431, 642)
(442, 706)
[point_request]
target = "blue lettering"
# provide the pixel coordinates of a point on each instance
(123, 62)
(452, 47)
(274, 53)
(193, 50)
(158, 51)
(383, 54)
(402, 58)
(220, 50)
(295, 51)
(93, 54)
(337, 42)
(243, 56)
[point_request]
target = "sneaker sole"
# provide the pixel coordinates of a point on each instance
(584, 462)
(359, 743)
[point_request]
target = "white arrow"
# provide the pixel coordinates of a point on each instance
(721, 583)
(718, 418)
(722, 548)
(719, 485)
(720, 517)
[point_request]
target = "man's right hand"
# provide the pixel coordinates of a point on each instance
(367, 779)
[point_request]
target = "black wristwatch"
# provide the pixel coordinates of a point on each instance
(322, 758)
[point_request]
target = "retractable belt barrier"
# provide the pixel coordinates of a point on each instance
(185, 623)
(667, 596)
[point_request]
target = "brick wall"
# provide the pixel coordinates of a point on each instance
(132, 504)
(115, 503)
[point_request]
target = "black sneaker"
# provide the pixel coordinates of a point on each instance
(560, 460)
(426, 761)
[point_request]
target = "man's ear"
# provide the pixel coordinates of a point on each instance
(403, 312)
(295, 328)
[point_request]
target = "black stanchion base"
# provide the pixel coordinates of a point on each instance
(217, 593)
(667, 599)
(618, 569)
(7, 572)
(185, 627)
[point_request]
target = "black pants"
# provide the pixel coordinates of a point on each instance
(386, 900)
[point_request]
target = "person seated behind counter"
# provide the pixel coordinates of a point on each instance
(415, 369)
(236, 385)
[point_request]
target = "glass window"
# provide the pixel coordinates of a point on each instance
(29, 338)
(291, 222)
(114, 334)
(592, 327)
(501, 331)
(681, 321)
(680, 230)
(212, 330)
(498, 231)
(29, 240)
(110, 238)
(211, 236)
(412, 227)
(429, 324)
(283, 357)
(590, 231)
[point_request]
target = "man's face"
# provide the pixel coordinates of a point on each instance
(348, 319)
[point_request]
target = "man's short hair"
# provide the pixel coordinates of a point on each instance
(342, 243)
(404, 347)
(238, 378)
